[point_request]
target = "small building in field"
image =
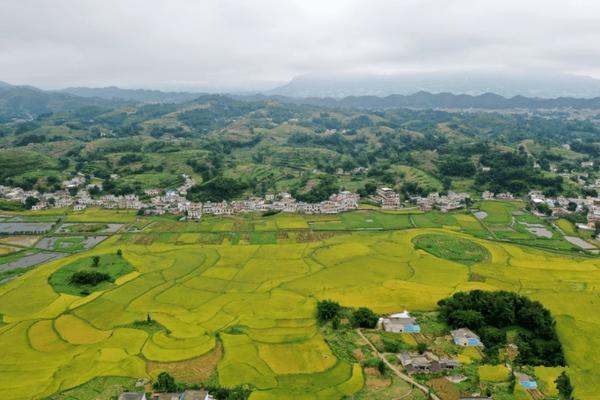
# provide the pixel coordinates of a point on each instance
(400, 323)
(132, 396)
(465, 337)
(487, 195)
(426, 363)
(166, 396)
(195, 395)
(526, 381)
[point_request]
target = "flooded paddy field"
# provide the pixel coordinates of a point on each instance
(69, 243)
(16, 228)
(29, 259)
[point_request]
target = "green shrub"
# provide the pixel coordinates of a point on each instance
(364, 318)
(328, 310)
(89, 278)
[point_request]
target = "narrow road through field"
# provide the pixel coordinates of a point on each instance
(398, 373)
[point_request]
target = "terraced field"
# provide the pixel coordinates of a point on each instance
(259, 300)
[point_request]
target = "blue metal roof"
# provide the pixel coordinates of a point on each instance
(412, 328)
(529, 384)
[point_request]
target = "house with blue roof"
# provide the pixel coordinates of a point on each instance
(465, 337)
(400, 323)
(526, 381)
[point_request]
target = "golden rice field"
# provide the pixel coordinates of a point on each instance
(259, 301)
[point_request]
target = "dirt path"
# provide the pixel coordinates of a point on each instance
(396, 371)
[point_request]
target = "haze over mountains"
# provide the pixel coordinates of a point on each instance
(139, 95)
(427, 90)
(507, 84)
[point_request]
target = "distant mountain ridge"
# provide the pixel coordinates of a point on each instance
(501, 82)
(486, 101)
(26, 102)
(137, 95)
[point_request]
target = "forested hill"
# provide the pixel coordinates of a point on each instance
(26, 102)
(137, 95)
(425, 100)
(239, 148)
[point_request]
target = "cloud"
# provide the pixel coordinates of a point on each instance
(226, 44)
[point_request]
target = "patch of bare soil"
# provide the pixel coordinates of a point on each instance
(375, 379)
(25, 241)
(358, 354)
(377, 342)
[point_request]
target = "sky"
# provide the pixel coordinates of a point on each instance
(257, 44)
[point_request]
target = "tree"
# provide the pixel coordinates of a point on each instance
(235, 393)
(327, 310)
(148, 318)
(364, 318)
(165, 383)
(492, 314)
(381, 366)
(95, 261)
(370, 188)
(120, 253)
(564, 386)
(422, 347)
(335, 322)
(89, 278)
(544, 208)
(30, 202)
(468, 318)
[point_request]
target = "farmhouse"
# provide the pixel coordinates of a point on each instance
(526, 381)
(464, 337)
(132, 396)
(38, 206)
(487, 195)
(152, 192)
(505, 196)
(166, 396)
(427, 362)
(400, 323)
(387, 198)
(195, 395)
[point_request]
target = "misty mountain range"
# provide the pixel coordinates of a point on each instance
(503, 83)
(418, 91)
(137, 95)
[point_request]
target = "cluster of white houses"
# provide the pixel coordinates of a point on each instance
(174, 202)
(159, 202)
(388, 199)
(562, 206)
(449, 202)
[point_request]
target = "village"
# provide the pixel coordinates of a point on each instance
(76, 195)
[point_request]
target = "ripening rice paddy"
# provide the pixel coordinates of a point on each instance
(259, 301)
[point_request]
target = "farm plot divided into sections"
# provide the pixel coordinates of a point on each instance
(259, 300)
